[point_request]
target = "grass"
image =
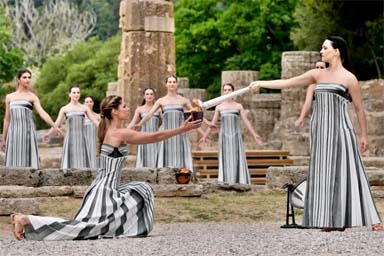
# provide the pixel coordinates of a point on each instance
(263, 205)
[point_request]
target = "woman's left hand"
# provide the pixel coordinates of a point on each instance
(363, 144)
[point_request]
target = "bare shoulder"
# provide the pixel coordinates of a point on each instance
(350, 80)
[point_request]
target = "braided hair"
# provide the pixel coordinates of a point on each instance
(107, 105)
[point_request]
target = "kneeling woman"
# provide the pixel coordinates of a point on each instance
(109, 209)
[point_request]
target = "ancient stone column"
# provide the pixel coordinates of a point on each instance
(147, 53)
(286, 135)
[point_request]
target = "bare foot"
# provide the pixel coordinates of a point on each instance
(377, 227)
(18, 227)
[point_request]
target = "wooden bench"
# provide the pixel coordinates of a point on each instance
(206, 163)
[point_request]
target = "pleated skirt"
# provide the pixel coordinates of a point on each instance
(176, 151)
(233, 167)
(21, 143)
(338, 191)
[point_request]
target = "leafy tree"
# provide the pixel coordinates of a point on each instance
(10, 57)
(11, 60)
(214, 35)
(107, 12)
(49, 29)
(361, 23)
(91, 65)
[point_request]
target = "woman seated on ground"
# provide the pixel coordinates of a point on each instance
(109, 209)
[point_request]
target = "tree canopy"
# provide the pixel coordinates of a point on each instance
(216, 35)
(361, 23)
(213, 35)
(90, 65)
(11, 58)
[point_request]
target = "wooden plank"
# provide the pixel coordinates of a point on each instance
(259, 181)
(203, 172)
(249, 153)
(269, 162)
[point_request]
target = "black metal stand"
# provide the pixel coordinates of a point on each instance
(290, 211)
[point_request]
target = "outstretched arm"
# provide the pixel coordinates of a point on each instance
(44, 115)
(155, 107)
(57, 123)
(306, 106)
(135, 137)
(135, 119)
(214, 121)
(91, 116)
(305, 79)
(248, 125)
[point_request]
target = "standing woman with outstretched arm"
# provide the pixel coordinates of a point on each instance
(338, 193)
(233, 167)
(109, 209)
(176, 151)
(19, 132)
(75, 151)
(147, 154)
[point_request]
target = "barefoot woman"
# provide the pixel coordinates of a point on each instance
(109, 209)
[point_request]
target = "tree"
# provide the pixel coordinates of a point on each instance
(361, 23)
(214, 35)
(91, 65)
(11, 60)
(10, 57)
(107, 12)
(51, 29)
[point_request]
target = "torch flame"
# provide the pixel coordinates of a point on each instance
(197, 106)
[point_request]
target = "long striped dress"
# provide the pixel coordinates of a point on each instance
(21, 143)
(75, 152)
(109, 209)
(147, 153)
(233, 167)
(90, 133)
(175, 151)
(338, 191)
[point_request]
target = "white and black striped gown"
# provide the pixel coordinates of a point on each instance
(75, 151)
(90, 133)
(233, 167)
(21, 143)
(175, 151)
(147, 153)
(109, 209)
(338, 191)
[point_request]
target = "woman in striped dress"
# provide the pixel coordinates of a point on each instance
(90, 132)
(338, 193)
(147, 153)
(176, 151)
(75, 151)
(19, 134)
(109, 209)
(233, 166)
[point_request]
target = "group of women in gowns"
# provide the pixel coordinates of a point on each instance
(338, 193)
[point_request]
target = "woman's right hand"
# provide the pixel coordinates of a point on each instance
(255, 87)
(299, 122)
(190, 125)
(2, 146)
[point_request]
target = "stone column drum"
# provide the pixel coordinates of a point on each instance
(147, 53)
(291, 138)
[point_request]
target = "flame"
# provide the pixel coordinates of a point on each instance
(197, 107)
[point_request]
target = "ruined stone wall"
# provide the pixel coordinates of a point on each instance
(372, 93)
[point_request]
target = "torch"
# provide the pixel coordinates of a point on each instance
(216, 101)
